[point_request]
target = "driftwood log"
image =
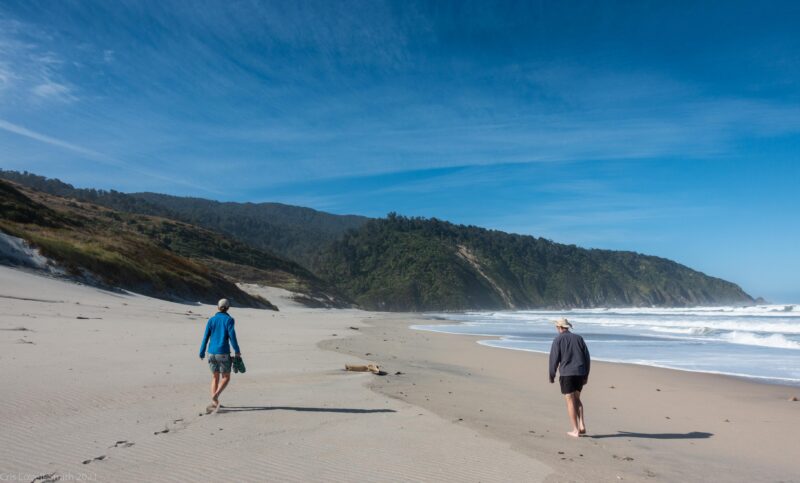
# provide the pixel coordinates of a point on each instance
(362, 368)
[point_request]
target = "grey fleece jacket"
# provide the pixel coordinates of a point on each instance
(569, 355)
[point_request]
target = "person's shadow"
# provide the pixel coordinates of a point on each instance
(239, 409)
(627, 434)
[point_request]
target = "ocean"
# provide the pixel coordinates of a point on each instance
(759, 342)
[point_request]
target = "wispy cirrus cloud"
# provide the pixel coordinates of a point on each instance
(25, 132)
(53, 91)
(367, 89)
(95, 156)
(30, 73)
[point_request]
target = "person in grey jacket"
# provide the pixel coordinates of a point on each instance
(570, 356)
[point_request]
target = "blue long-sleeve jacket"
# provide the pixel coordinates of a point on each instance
(219, 333)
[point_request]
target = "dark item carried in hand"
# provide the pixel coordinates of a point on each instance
(238, 365)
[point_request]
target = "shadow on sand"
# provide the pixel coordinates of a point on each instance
(236, 409)
(626, 434)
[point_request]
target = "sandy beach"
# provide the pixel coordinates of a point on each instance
(108, 387)
(644, 423)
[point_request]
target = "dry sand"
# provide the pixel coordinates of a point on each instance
(109, 387)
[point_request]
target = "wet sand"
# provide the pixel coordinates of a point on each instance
(644, 423)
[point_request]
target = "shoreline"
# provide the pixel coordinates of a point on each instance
(645, 423)
(768, 380)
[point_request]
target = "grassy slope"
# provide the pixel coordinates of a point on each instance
(117, 249)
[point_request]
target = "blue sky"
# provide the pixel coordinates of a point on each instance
(668, 128)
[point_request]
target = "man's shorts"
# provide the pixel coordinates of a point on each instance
(219, 363)
(570, 384)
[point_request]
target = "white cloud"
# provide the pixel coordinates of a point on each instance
(30, 74)
(92, 154)
(53, 91)
(22, 131)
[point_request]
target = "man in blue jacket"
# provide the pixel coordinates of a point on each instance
(218, 335)
(570, 356)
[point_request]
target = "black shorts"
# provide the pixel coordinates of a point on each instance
(570, 384)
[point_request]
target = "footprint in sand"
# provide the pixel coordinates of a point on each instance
(623, 458)
(98, 458)
(122, 444)
(48, 478)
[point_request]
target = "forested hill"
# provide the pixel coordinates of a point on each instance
(414, 264)
(292, 232)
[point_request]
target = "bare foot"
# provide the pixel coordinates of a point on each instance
(574, 434)
(582, 431)
(210, 408)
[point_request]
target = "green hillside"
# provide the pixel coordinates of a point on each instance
(388, 264)
(150, 255)
(291, 232)
(419, 264)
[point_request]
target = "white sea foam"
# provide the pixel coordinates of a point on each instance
(784, 310)
(777, 341)
(653, 363)
(683, 330)
(760, 341)
(786, 325)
